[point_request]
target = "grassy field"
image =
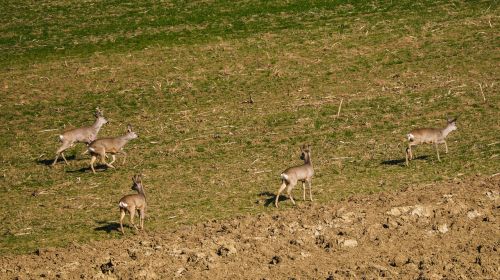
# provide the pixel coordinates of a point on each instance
(181, 71)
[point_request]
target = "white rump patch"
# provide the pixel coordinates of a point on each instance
(410, 136)
(284, 176)
(91, 149)
(123, 204)
(61, 137)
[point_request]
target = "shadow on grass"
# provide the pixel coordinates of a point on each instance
(402, 161)
(98, 168)
(48, 162)
(108, 227)
(270, 197)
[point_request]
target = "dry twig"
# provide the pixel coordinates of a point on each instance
(482, 93)
(340, 107)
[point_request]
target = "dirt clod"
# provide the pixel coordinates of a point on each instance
(399, 260)
(107, 267)
(226, 250)
(275, 260)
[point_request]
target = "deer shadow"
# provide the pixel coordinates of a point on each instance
(98, 168)
(108, 227)
(48, 162)
(271, 197)
(401, 161)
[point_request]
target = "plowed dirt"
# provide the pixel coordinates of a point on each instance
(446, 230)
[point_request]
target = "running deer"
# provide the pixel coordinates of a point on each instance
(102, 147)
(80, 135)
(133, 202)
(429, 136)
(292, 175)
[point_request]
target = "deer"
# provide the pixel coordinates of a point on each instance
(292, 175)
(101, 147)
(133, 202)
(85, 135)
(434, 136)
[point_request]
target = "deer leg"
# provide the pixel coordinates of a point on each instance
(282, 187)
(132, 214)
(304, 190)
(412, 154)
(437, 151)
(409, 153)
(445, 145)
(57, 156)
(114, 159)
(103, 158)
(289, 192)
(310, 189)
(122, 216)
(61, 149)
(92, 160)
(142, 215)
(407, 156)
(124, 156)
(62, 154)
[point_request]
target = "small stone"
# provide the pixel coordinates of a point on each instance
(493, 195)
(421, 211)
(180, 271)
(473, 214)
(443, 228)
(394, 212)
(350, 243)
(399, 260)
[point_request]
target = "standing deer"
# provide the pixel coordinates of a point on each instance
(292, 175)
(133, 202)
(429, 136)
(113, 146)
(80, 135)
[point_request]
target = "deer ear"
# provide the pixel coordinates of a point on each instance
(133, 179)
(129, 128)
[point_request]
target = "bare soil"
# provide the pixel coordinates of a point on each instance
(445, 230)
